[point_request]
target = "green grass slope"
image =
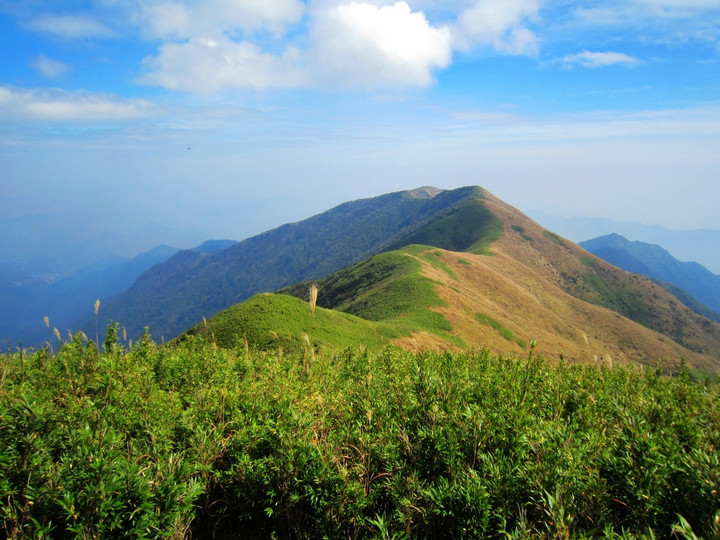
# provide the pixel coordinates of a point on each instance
(390, 288)
(273, 321)
(368, 304)
(471, 227)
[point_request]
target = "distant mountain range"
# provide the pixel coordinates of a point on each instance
(486, 276)
(696, 283)
(48, 247)
(699, 245)
(68, 302)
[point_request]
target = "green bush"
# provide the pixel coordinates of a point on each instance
(194, 441)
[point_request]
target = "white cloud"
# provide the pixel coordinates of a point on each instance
(599, 59)
(63, 106)
(202, 53)
(362, 45)
(208, 65)
(48, 67)
(216, 45)
(192, 18)
(70, 26)
(498, 24)
(352, 46)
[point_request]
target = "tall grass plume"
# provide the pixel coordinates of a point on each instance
(313, 298)
(97, 308)
(48, 342)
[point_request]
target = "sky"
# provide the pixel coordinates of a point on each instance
(236, 116)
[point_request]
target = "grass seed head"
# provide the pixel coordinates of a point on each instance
(313, 298)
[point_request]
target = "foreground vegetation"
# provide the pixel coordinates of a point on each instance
(192, 440)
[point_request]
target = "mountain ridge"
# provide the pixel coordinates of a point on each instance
(526, 284)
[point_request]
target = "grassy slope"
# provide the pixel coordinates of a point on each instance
(389, 288)
(376, 301)
(470, 227)
(270, 321)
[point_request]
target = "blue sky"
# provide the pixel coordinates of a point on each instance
(235, 116)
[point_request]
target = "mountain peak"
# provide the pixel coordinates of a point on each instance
(608, 240)
(424, 192)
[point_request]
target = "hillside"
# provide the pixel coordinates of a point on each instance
(173, 296)
(422, 297)
(558, 262)
(277, 321)
(657, 263)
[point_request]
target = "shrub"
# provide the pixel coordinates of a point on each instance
(190, 440)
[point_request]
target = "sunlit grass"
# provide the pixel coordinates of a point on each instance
(194, 440)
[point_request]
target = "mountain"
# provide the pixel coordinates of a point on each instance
(48, 247)
(700, 245)
(214, 246)
(191, 285)
(497, 290)
(657, 263)
(69, 299)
